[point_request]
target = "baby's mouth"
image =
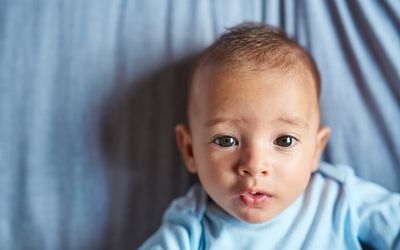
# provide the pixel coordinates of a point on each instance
(254, 198)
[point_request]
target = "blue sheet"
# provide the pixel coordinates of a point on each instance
(90, 92)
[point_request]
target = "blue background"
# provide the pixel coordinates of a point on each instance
(90, 92)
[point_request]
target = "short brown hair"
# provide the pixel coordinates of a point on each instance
(255, 46)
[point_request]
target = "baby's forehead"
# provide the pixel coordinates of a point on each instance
(208, 77)
(211, 84)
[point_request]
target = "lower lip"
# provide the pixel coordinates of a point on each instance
(254, 200)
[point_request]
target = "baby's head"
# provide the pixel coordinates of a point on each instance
(254, 134)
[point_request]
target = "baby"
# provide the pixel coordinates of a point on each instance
(254, 139)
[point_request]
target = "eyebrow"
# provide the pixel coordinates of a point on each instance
(216, 121)
(284, 119)
(293, 121)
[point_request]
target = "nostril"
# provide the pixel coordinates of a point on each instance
(245, 172)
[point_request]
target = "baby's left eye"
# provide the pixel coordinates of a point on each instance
(285, 141)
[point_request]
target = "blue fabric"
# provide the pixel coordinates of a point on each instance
(336, 211)
(90, 92)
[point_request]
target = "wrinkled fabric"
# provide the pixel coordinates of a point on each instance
(90, 92)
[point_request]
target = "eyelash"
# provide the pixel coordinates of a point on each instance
(226, 141)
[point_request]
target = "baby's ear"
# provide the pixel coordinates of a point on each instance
(184, 141)
(322, 139)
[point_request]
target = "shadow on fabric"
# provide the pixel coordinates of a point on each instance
(138, 142)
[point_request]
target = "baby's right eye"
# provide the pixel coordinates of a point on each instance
(225, 141)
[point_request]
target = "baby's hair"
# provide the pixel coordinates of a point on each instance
(257, 46)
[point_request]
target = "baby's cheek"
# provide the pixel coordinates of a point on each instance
(222, 158)
(220, 174)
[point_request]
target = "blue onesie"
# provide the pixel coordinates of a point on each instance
(336, 211)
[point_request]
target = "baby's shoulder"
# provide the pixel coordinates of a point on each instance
(181, 227)
(190, 207)
(334, 181)
(339, 173)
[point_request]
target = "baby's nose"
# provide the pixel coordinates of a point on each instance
(255, 162)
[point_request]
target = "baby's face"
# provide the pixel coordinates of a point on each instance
(254, 140)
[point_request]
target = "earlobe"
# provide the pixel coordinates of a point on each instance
(184, 142)
(322, 139)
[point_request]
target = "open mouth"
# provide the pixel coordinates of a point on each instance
(254, 199)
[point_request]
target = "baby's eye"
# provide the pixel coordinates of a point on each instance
(225, 141)
(285, 141)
